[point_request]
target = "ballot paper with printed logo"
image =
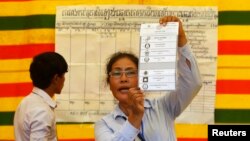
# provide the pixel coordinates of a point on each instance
(157, 59)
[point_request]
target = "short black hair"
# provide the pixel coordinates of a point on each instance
(45, 66)
(116, 56)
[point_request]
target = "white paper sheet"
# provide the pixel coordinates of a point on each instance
(158, 45)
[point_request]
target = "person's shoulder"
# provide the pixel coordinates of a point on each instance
(35, 103)
(106, 118)
(35, 100)
(34, 107)
(28, 99)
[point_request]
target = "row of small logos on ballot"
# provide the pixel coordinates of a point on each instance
(222, 132)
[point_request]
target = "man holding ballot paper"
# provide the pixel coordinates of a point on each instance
(138, 118)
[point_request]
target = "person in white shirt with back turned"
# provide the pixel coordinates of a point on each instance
(34, 118)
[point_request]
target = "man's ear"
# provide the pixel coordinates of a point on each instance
(55, 79)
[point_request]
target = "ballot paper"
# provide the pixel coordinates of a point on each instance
(157, 59)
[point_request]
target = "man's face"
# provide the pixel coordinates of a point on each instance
(60, 83)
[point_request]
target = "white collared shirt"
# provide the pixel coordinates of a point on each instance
(34, 118)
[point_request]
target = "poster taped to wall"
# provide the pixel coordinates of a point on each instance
(86, 35)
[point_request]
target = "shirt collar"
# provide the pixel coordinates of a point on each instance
(118, 112)
(45, 96)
